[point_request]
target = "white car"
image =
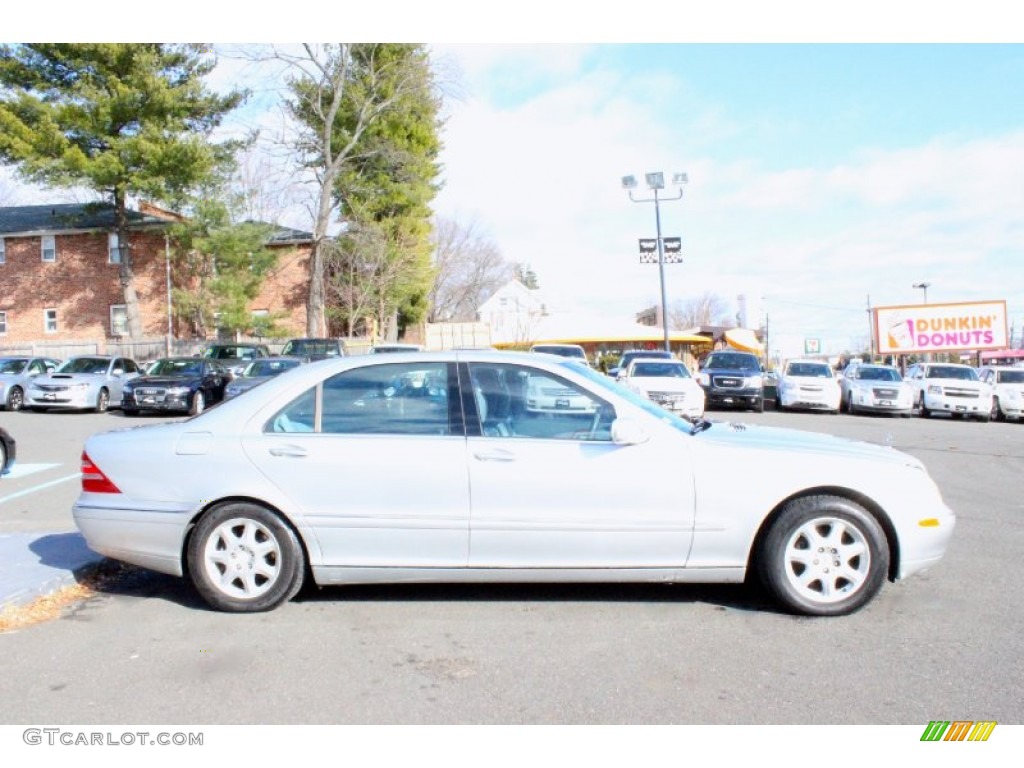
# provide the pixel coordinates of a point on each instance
(809, 384)
(85, 382)
(1007, 383)
(333, 472)
(666, 382)
(950, 388)
(871, 388)
(17, 373)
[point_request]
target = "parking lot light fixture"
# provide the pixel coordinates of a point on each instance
(656, 181)
(923, 287)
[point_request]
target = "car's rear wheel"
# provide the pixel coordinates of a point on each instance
(102, 401)
(198, 403)
(15, 399)
(824, 556)
(243, 558)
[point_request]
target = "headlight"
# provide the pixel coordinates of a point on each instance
(178, 391)
(934, 389)
(753, 381)
(79, 387)
(704, 380)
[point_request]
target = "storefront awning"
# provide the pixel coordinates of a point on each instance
(745, 340)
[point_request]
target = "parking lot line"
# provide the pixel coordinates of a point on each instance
(22, 470)
(40, 487)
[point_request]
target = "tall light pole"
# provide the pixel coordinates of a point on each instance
(923, 287)
(655, 182)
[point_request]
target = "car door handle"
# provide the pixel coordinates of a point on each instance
(495, 455)
(291, 451)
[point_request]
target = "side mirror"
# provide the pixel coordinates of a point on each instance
(627, 431)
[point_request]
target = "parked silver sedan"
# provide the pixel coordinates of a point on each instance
(92, 382)
(429, 466)
(874, 388)
(16, 373)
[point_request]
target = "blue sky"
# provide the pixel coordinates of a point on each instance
(820, 174)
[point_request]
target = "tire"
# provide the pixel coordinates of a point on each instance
(792, 557)
(849, 405)
(759, 408)
(997, 413)
(198, 404)
(922, 409)
(102, 401)
(130, 411)
(15, 399)
(243, 559)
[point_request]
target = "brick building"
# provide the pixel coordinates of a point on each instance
(60, 286)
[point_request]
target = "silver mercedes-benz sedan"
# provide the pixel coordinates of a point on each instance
(431, 467)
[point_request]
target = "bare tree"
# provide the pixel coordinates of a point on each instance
(336, 92)
(468, 268)
(706, 309)
(261, 188)
(365, 270)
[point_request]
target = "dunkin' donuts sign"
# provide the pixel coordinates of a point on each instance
(941, 327)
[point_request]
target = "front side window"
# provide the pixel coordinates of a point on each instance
(118, 320)
(49, 248)
(50, 320)
(515, 401)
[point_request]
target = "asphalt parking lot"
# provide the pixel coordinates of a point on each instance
(943, 645)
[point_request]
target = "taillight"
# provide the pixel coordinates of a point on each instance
(93, 479)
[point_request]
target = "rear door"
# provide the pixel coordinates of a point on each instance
(375, 459)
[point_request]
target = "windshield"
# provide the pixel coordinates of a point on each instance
(230, 353)
(640, 401)
(13, 364)
(810, 370)
(171, 367)
(267, 367)
(661, 370)
(730, 361)
(628, 357)
(85, 365)
(563, 351)
(951, 372)
(878, 374)
(310, 347)
(1010, 377)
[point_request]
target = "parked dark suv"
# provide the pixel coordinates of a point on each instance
(732, 379)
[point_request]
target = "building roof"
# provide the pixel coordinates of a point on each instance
(99, 216)
(67, 217)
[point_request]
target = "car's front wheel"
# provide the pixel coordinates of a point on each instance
(102, 401)
(15, 399)
(198, 404)
(243, 558)
(997, 412)
(824, 556)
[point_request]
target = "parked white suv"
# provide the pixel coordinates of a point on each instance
(666, 382)
(949, 388)
(1007, 390)
(572, 351)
